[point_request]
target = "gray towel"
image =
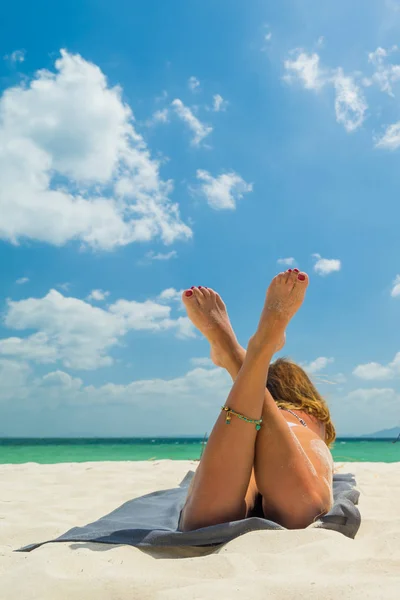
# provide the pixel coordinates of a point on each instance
(152, 520)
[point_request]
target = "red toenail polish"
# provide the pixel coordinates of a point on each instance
(199, 287)
(296, 270)
(289, 270)
(301, 277)
(192, 288)
(189, 293)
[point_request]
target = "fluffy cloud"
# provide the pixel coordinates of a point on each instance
(98, 295)
(78, 334)
(59, 387)
(396, 287)
(206, 380)
(385, 74)
(289, 262)
(306, 68)
(350, 104)
(391, 138)
(324, 266)
(14, 376)
(37, 347)
(59, 404)
(364, 411)
(199, 129)
(317, 365)
(170, 295)
(193, 83)
(224, 191)
(373, 370)
(219, 104)
(72, 165)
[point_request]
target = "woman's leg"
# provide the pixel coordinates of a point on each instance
(273, 458)
(223, 475)
(285, 475)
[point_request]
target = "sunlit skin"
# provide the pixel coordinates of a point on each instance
(289, 465)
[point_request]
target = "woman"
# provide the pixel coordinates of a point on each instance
(268, 445)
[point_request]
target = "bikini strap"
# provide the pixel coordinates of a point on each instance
(302, 421)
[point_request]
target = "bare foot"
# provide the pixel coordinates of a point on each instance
(208, 313)
(284, 297)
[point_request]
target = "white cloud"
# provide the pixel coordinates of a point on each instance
(385, 74)
(37, 347)
(98, 295)
(81, 335)
(219, 104)
(350, 104)
(170, 294)
(181, 387)
(324, 266)
(338, 378)
(161, 256)
(193, 83)
(14, 376)
(396, 287)
(60, 388)
(224, 191)
(16, 56)
(22, 280)
(375, 371)
(391, 138)
(268, 36)
(317, 365)
(202, 362)
(70, 125)
(365, 411)
(289, 262)
(305, 67)
(159, 116)
(173, 296)
(199, 129)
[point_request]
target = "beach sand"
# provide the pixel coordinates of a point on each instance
(40, 502)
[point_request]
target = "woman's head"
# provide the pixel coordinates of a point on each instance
(290, 387)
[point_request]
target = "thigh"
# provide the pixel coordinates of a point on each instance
(252, 498)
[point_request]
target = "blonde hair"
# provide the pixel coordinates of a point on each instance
(290, 387)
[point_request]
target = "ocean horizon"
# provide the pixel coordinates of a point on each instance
(87, 449)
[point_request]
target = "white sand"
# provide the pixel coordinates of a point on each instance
(39, 502)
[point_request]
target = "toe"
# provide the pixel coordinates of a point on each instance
(280, 278)
(187, 295)
(204, 291)
(302, 278)
(198, 294)
(291, 277)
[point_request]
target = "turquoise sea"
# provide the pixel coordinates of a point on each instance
(47, 451)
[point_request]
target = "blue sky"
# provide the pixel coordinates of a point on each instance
(149, 146)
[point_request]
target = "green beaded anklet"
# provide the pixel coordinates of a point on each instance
(230, 412)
